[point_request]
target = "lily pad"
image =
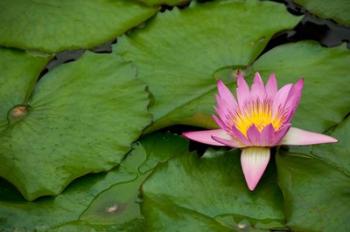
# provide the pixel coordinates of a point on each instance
(207, 191)
(82, 117)
(52, 26)
(17, 214)
(315, 184)
(326, 73)
(178, 52)
(316, 194)
(165, 216)
(100, 202)
(19, 71)
(337, 10)
(337, 154)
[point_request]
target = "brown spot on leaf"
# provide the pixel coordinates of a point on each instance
(17, 113)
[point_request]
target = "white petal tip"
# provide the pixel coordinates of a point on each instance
(251, 186)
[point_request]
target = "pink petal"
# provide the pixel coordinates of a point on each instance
(226, 95)
(271, 86)
(294, 99)
(254, 135)
(254, 161)
(258, 88)
(219, 122)
(237, 134)
(223, 110)
(280, 133)
(296, 136)
(206, 136)
(228, 142)
(242, 89)
(296, 91)
(281, 98)
(267, 136)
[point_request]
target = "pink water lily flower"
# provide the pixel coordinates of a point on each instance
(256, 120)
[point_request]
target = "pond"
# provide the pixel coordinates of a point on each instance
(174, 115)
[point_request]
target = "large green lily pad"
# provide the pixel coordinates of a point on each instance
(337, 154)
(337, 10)
(52, 26)
(19, 71)
(178, 52)
(100, 202)
(326, 73)
(165, 216)
(211, 192)
(315, 184)
(316, 195)
(81, 118)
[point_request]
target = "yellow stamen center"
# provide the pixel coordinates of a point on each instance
(258, 114)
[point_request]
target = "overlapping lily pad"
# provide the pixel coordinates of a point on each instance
(315, 184)
(207, 194)
(103, 202)
(189, 192)
(337, 10)
(52, 26)
(178, 52)
(81, 118)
